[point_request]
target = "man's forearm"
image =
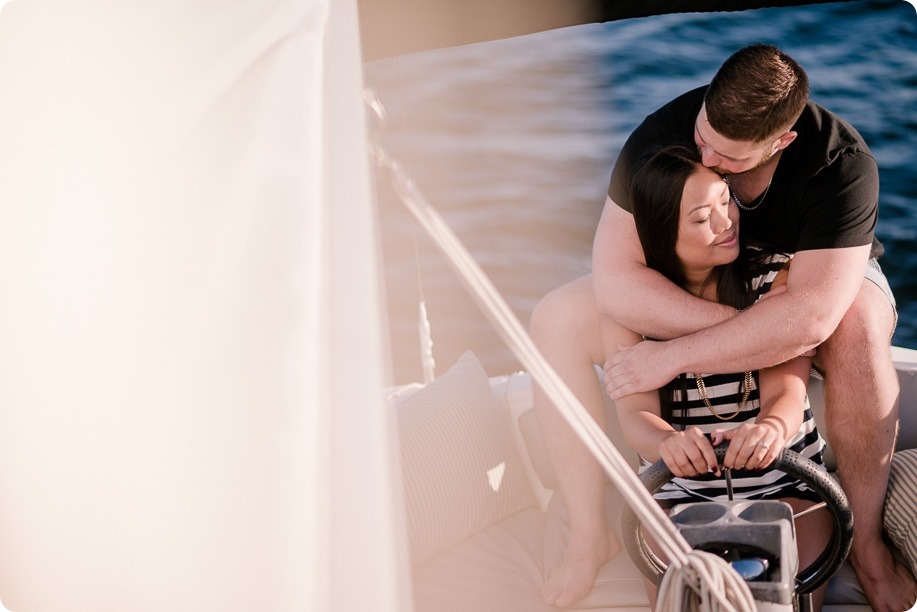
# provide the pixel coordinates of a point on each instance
(820, 288)
(654, 306)
(762, 336)
(769, 333)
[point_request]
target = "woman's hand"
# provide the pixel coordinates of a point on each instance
(688, 453)
(752, 446)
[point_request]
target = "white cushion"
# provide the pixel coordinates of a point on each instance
(901, 505)
(461, 469)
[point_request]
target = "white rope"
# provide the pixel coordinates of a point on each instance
(699, 576)
(427, 362)
(706, 584)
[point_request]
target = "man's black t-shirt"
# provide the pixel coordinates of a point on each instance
(825, 190)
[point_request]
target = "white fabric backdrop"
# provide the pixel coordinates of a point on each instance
(190, 416)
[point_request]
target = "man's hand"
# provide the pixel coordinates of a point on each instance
(637, 368)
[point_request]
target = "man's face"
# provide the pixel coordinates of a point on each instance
(726, 156)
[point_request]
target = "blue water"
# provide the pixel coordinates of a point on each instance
(513, 141)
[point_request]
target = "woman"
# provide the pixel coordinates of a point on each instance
(688, 226)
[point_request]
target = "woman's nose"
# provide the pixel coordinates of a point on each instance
(723, 223)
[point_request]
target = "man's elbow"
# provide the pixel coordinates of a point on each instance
(818, 327)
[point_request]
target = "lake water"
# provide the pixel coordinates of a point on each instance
(513, 142)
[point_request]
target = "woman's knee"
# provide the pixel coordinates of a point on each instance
(568, 310)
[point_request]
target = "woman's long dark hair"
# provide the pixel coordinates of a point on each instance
(656, 191)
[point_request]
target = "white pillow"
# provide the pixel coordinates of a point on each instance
(901, 505)
(461, 468)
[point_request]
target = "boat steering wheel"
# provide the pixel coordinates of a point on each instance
(790, 462)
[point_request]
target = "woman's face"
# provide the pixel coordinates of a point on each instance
(708, 228)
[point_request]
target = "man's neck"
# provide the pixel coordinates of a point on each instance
(751, 184)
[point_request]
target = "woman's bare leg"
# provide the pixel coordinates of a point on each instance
(565, 327)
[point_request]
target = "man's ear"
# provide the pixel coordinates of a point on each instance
(785, 140)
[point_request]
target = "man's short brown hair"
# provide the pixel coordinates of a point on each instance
(758, 93)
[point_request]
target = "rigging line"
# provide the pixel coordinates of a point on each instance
(704, 578)
(693, 575)
(403, 113)
(509, 327)
(407, 158)
(810, 510)
(681, 588)
(424, 331)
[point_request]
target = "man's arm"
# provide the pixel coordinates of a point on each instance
(821, 287)
(637, 297)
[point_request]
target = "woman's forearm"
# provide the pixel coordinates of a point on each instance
(644, 432)
(782, 390)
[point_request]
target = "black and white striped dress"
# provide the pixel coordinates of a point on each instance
(724, 392)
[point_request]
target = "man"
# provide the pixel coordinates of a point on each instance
(805, 182)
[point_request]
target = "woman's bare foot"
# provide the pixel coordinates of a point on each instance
(573, 578)
(888, 585)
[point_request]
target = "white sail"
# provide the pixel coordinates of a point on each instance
(190, 344)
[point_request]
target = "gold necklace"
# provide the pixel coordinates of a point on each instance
(702, 389)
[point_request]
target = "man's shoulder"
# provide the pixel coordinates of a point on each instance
(680, 110)
(670, 123)
(827, 131)
(828, 152)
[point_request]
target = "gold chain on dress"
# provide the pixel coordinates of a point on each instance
(702, 389)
